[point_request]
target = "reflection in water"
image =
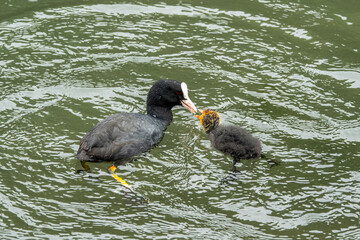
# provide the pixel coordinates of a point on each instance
(287, 72)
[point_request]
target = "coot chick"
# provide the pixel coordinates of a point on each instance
(229, 139)
(124, 135)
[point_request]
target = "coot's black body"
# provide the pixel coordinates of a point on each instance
(124, 135)
(121, 136)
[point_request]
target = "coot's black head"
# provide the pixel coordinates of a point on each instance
(209, 120)
(169, 93)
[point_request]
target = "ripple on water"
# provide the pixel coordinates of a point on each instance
(264, 66)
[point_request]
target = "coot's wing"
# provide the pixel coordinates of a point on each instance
(120, 136)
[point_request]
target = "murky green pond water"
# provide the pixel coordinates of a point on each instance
(288, 71)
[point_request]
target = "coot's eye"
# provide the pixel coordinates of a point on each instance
(177, 92)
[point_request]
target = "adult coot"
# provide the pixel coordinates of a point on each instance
(125, 135)
(229, 139)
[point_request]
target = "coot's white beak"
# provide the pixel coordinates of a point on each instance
(187, 103)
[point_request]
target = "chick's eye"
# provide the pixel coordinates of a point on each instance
(177, 92)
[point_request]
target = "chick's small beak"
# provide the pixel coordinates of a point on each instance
(200, 117)
(189, 105)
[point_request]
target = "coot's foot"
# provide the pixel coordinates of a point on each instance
(124, 183)
(86, 168)
(119, 179)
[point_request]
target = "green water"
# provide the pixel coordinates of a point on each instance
(288, 71)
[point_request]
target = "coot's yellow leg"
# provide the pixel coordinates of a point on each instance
(124, 183)
(85, 166)
(119, 179)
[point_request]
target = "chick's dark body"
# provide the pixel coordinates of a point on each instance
(235, 142)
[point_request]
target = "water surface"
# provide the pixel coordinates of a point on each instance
(288, 72)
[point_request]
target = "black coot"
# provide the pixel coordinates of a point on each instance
(124, 135)
(229, 139)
